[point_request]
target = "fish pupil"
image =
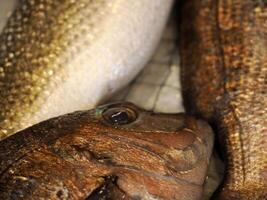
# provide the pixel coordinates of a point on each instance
(119, 117)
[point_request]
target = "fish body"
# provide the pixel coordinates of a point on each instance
(117, 151)
(60, 56)
(224, 79)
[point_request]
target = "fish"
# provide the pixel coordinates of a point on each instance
(60, 56)
(160, 82)
(224, 80)
(115, 151)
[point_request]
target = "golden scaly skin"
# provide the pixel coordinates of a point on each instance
(223, 53)
(29, 55)
(49, 48)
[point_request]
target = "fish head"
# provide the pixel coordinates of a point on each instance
(117, 150)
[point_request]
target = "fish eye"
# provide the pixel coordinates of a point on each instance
(119, 116)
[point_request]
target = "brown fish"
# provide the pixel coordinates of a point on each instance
(116, 151)
(223, 56)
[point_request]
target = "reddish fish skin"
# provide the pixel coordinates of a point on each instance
(224, 80)
(115, 152)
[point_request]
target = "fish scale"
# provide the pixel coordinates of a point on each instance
(160, 81)
(49, 47)
(227, 41)
(36, 68)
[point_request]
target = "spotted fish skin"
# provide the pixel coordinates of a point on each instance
(61, 56)
(224, 79)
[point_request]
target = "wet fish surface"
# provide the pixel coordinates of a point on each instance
(224, 80)
(60, 56)
(117, 151)
(157, 88)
